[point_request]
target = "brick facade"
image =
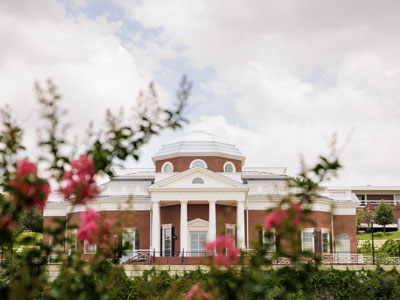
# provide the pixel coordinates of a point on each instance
(214, 163)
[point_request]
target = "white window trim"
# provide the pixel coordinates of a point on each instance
(131, 230)
(231, 226)
(196, 160)
(190, 237)
(166, 164)
(74, 232)
(166, 226)
(324, 230)
(86, 245)
(313, 238)
(272, 230)
(233, 167)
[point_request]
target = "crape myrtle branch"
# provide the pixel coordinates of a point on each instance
(11, 136)
(121, 141)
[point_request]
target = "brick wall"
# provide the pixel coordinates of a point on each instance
(172, 215)
(346, 224)
(214, 163)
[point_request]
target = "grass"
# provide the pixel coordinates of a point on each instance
(380, 236)
(28, 238)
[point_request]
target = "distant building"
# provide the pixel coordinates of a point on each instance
(198, 189)
(370, 197)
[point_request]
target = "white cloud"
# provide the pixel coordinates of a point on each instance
(84, 57)
(303, 70)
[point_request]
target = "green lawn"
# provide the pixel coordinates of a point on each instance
(380, 236)
(27, 235)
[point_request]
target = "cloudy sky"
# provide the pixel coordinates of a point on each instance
(276, 78)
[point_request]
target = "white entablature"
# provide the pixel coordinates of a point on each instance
(198, 184)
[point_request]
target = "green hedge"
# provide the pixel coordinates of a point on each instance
(323, 284)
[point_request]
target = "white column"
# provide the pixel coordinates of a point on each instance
(212, 221)
(240, 224)
(156, 227)
(184, 231)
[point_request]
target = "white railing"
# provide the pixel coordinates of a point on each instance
(259, 171)
(119, 188)
(133, 172)
(56, 196)
(267, 187)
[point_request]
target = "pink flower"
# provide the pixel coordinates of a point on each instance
(224, 250)
(79, 182)
(27, 189)
(26, 168)
(92, 230)
(197, 293)
(274, 219)
(6, 222)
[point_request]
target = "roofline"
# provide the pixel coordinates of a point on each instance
(365, 188)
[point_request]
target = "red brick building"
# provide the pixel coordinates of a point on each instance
(199, 189)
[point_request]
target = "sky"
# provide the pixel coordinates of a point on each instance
(276, 78)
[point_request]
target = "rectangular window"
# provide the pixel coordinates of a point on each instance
(128, 242)
(270, 241)
(396, 198)
(307, 240)
(230, 232)
(167, 240)
(72, 243)
(89, 248)
(197, 241)
(325, 241)
(361, 197)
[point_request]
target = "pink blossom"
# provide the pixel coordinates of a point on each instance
(26, 168)
(197, 293)
(89, 228)
(27, 189)
(274, 219)
(6, 222)
(92, 230)
(224, 250)
(79, 182)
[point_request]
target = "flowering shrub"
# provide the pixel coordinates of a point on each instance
(197, 293)
(24, 276)
(26, 188)
(224, 250)
(92, 230)
(23, 273)
(79, 181)
(277, 217)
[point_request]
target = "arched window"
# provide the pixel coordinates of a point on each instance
(197, 180)
(229, 167)
(198, 163)
(342, 243)
(167, 167)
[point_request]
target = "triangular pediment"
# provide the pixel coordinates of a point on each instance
(198, 178)
(197, 223)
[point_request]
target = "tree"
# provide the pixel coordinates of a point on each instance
(363, 216)
(31, 220)
(384, 215)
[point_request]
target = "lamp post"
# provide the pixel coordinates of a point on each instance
(372, 237)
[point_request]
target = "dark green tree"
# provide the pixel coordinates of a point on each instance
(384, 215)
(31, 220)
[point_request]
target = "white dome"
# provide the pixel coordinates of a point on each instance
(198, 143)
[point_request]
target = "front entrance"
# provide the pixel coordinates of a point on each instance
(197, 241)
